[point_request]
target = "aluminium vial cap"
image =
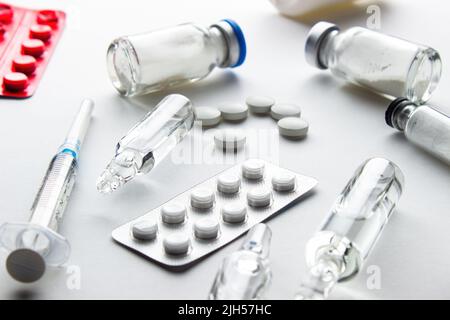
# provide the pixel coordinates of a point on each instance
(237, 47)
(314, 40)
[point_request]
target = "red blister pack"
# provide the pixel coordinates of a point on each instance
(27, 41)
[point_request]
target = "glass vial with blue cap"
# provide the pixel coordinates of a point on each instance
(387, 65)
(174, 56)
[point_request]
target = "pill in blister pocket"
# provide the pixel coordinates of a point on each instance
(202, 198)
(33, 47)
(41, 31)
(15, 81)
(234, 212)
(228, 183)
(177, 243)
(283, 181)
(229, 214)
(259, 197)
(24, 64)
(206, 228)
(145, 229)
(173, 213)
(253, 169)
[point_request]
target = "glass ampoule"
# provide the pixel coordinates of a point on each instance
(387, 65)
(148, 142)
(173, 56)
(423, 125)
(344, 241)
(245, 274)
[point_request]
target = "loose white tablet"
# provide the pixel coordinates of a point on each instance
(202, 198)
(259, 197)
(230, 140)
(177, 243)
(259, 104)
(234, 212)
(293, 127)
(283, 110)
(145, 229)
(173, 213)
(228, 183)
(206, 228)
(283, 181)
(233, 111)
(253, 169)
(209, 116)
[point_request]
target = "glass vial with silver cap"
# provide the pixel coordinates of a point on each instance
(347, 236)
(245, 274)
(423, 125)
(387, 65)
(173, 56)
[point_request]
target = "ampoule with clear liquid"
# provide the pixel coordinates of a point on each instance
(245, 274)
(148, 142)
(338, 250)
(423, 125)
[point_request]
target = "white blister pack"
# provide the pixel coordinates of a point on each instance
(213, 213)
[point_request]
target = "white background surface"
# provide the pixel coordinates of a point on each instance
(347, 127)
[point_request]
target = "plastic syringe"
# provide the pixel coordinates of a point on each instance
(34, 245)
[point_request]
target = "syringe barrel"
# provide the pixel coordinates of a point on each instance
(50, 202)
(80, 124)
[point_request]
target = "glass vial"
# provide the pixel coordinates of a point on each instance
(148, 142)
(245, 274)
(173, 56)
(338, 250)
(382, 63)
(423, 125)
